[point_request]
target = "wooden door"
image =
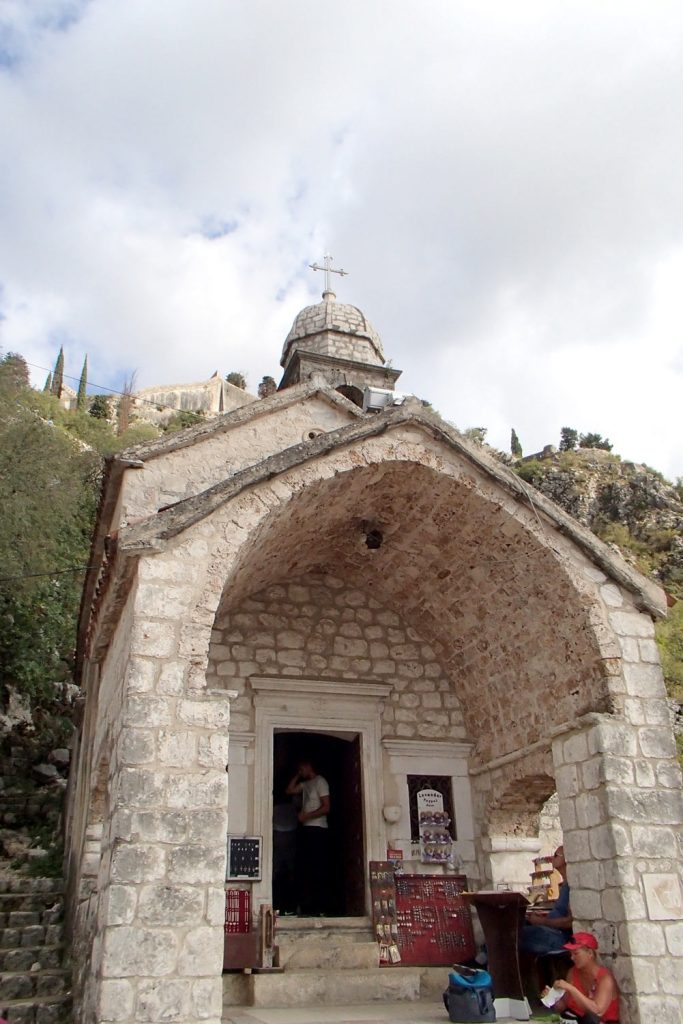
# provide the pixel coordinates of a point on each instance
(353, 833)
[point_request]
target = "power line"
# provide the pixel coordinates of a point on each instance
(107, 391)
(53, 572)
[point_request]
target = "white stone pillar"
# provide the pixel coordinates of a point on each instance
(162, 899)
(621, 809)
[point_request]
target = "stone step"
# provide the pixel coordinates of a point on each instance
(331, 987)
(325, 943)
(14, 901)
(23, 884)
(32, 918)
(12, 938)
(46, 1010)
(32, 984)
(23, 958)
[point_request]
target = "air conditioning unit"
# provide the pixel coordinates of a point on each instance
(376, 399)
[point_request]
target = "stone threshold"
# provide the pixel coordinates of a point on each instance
(421, 1012)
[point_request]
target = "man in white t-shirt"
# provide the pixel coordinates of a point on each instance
(313, 855)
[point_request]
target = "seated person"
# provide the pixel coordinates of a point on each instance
(591, 993)
(547, 931)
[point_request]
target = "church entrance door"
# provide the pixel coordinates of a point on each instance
(338, 759)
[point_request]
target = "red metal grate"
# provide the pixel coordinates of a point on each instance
(237, 911)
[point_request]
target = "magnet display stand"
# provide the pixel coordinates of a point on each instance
(435, 838)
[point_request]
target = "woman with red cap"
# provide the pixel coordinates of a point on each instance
(591, 993)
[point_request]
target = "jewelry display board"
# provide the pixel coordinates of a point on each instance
(424, 916)
(244, 858)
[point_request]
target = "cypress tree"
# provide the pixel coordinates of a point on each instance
(515, 444)
(81, 399)
(48, 384)
(58, 375)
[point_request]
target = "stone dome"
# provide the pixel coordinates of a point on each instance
(334, 328)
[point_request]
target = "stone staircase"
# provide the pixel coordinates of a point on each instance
(328, 962)
(33, 981)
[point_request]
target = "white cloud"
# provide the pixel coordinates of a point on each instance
(502, 180)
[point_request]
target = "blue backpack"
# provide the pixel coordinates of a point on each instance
(469, 996)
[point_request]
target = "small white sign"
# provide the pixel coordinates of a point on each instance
(664, 897)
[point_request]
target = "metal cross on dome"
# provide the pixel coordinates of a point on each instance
(328, 269)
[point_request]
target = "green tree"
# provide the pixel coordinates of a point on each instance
(182, 419)
(267, 387)
(515, 445)
(592, 440)
(47, 388)
(569, 438)
(100, 407)
(82, 399)
(13, 372)
(237, 379)
(58, 375)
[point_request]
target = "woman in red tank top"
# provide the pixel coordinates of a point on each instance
(591, 993)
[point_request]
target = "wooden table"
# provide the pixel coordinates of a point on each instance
(502, 915)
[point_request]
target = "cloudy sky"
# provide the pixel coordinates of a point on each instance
(504, 182)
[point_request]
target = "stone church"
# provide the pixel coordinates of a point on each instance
(335, 569)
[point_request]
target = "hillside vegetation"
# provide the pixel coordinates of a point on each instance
(50, 472)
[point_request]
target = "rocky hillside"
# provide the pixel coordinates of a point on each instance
(639, 512)
(629, 505)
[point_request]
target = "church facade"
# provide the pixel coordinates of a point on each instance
(301, 575)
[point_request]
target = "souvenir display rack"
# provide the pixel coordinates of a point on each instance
(425, 916)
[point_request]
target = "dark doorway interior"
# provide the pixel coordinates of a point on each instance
(339, 761)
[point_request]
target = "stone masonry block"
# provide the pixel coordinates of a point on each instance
(631, 624)
(160, 826)
(586, 904)
(201, 952)
(134, 952)
(207, 826)
(215, 906)
(657, 742)
(607, 840)
(623, 905)
(213, 751)
(629, 648)
(611, 595)
(152, 639)
(137, 746)
(147, 712)
(137, 862)
(140, 787)
(567, 781)
(196, 865)
(644, 680)
(661, 807)
(164, 601)
(577, 846)
(635, 974)
(637, 936)
(121, 903)
(142, 674)
(172, 905)
(163, 1000)
(589, 875)
(670, 976)
(205, 714)
(116, 1000)
(575, 748)
(663, 1009)
(649, 651)
(589, 810)
(172, 678)
(612, 737)
(177, 749)
(674, 938)
(200, 789)
(207, 997)
(645, 773)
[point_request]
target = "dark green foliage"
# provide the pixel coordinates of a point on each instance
(58, 375)
(515, 445)
(592, 440)
(267, 387)
(569, 438)
(100, 407)
(181, 420)
(670, 641)
(47, 388)
(237, 379)
(81, 401)
(531, 471)
(13, 372)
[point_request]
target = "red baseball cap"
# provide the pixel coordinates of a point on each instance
(582, 940)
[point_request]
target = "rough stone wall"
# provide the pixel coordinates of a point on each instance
(318, 627)
(175, 475)
(621, 808)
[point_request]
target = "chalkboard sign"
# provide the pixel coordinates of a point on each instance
(244, 858)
